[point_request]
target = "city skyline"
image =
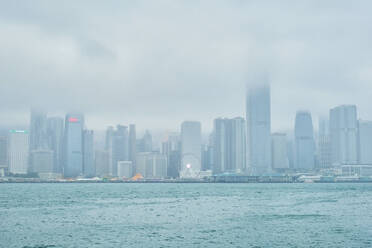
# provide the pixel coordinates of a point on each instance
(54, 147)
(255, 114)
(185, 123)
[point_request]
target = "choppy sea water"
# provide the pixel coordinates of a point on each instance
(185, 215)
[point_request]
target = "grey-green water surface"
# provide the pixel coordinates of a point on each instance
(185, 215)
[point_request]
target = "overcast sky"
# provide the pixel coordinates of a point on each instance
(157, 63)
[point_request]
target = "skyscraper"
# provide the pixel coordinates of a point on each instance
(171, 148)
(88, 154)
(38, 139)
(108, 147)
(145, 144)
(109, 133)
(365, 142)
(258, 118)
(117, 145)
(101, 161)
(174, 164)
(120, 149)
(42, 161)
(324, 144)
(73, 158)
(205, 163)
(157, 165)
(152, 165)
(290, 150)
(3, 155)
(210, 163)
(220, 145)
(191, 149)
(125, 169)
(132, 145)
(344, 134)
(279, 151)
(304, 141)
(38, 130)
(55, 130)
(229, 145)
(18, 151)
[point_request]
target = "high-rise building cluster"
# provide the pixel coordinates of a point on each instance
(52, 147)
(55, 147)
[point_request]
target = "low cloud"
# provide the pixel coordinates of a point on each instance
(159, 63)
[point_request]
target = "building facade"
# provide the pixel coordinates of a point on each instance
(89, 169)
(38, 130)
(279, 151)
(42, 161)
(304, 141)
(258, 119)
(152, 165)
(171, 148)
(229, 145)
(18, 151)
(191, 149)
(365, 142)
(344, 135)
(324, 152)
(117, 145)
(3, 155)
(145, 144)
(73, 146)
(55, 130)
(125, 169)
(132, 145)
(102, 163)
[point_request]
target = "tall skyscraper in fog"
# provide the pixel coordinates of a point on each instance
(108, 147)
(365, 142)
(88, 154)
(132, 146)
(38, 138)
(191, 149)
(220, 146)
(210, 151)
(229, 145)
(102, 163)
(38, 130)
(304, 141)
(18, 151)
(145, 144)
(258, 118)
(73, 147)
(55, 129)
(344, 134)
(324, 144)
(120, 146)
(171, 148)
(290, 150)
(117, 145)
(279, 151)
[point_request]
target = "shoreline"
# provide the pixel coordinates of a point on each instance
(176, 182)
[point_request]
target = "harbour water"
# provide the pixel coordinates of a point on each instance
(185, 215)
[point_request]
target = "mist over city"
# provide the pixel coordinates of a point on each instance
(185, 123)
(157, 64)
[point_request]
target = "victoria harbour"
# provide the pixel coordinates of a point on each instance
(186, 215)
(214, 123)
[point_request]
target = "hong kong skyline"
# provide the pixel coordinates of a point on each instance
(158, 64)
(185, 123)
